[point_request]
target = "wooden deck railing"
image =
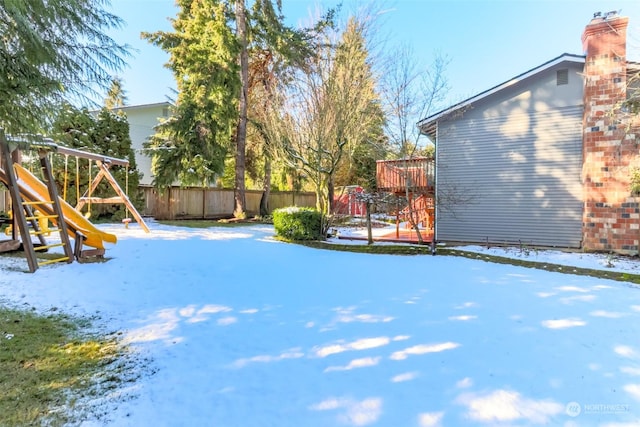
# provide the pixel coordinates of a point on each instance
(416, 174)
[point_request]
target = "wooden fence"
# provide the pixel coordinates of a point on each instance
(198, 203)
(211, 203)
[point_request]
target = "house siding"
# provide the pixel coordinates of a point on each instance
(142, 121)
(508, 168)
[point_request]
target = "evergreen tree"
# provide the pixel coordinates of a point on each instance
(210, 54)
(108, 134)
(364, 129)
(50, 51)
(111, 137)
(116, 96)
(192, 144)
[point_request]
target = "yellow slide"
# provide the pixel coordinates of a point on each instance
(33, 190)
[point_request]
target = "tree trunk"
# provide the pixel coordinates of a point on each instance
(330, 194)
(266, 188)
(369, 231)
(241, 132)
(319, 197)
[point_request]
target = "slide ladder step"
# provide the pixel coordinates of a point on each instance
(51, 261)
(37, 202)
(47, 247)
(45, 232)
(28, 218)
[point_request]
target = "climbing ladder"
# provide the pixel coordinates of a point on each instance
(23, 210)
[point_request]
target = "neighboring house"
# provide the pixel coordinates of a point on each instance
(142, 121)
(540, 159)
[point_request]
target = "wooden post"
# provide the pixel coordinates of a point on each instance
(104, 170)
(121, 198)
(55, 205)
(397, 217)
(16, 201)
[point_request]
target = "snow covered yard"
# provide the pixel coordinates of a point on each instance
(236, 329)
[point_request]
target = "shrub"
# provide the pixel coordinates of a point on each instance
(295, 223)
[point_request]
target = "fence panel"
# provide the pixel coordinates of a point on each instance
(212, 203)
(219, 203)
(150, 199)
(198, 203)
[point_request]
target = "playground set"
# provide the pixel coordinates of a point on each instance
(411, 180)
(36, 202)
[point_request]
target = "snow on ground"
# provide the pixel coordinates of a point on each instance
(236, 329)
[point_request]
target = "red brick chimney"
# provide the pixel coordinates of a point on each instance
(611, 215)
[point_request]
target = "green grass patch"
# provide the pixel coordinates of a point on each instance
(368, 249)
(547, 266)
(426, 250)
(50, 368)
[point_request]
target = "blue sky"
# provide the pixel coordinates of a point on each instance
(487, 42)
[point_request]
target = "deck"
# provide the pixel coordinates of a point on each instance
(396, 176)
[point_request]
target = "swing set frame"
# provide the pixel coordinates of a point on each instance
(103, 163)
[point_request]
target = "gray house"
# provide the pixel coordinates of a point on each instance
(509, 160)
(530, 161)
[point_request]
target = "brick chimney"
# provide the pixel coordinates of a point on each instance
(611, 215)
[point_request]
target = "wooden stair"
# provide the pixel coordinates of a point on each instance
(422, 207)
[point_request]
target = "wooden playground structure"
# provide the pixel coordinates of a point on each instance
(35, 202)
(413, 181)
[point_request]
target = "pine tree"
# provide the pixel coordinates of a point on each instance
(191, 145)
(108, 134)
(116, 96)
(50, 51)
(210, 54)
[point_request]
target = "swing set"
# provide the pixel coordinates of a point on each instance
(103, 164)
(35, 202)
(87, 199)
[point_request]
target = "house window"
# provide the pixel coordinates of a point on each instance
(562, 77)
(165, 112)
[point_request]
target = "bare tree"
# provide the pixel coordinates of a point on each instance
(329, 105)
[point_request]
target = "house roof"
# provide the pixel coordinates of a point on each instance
(427, 125)
(140, 106)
